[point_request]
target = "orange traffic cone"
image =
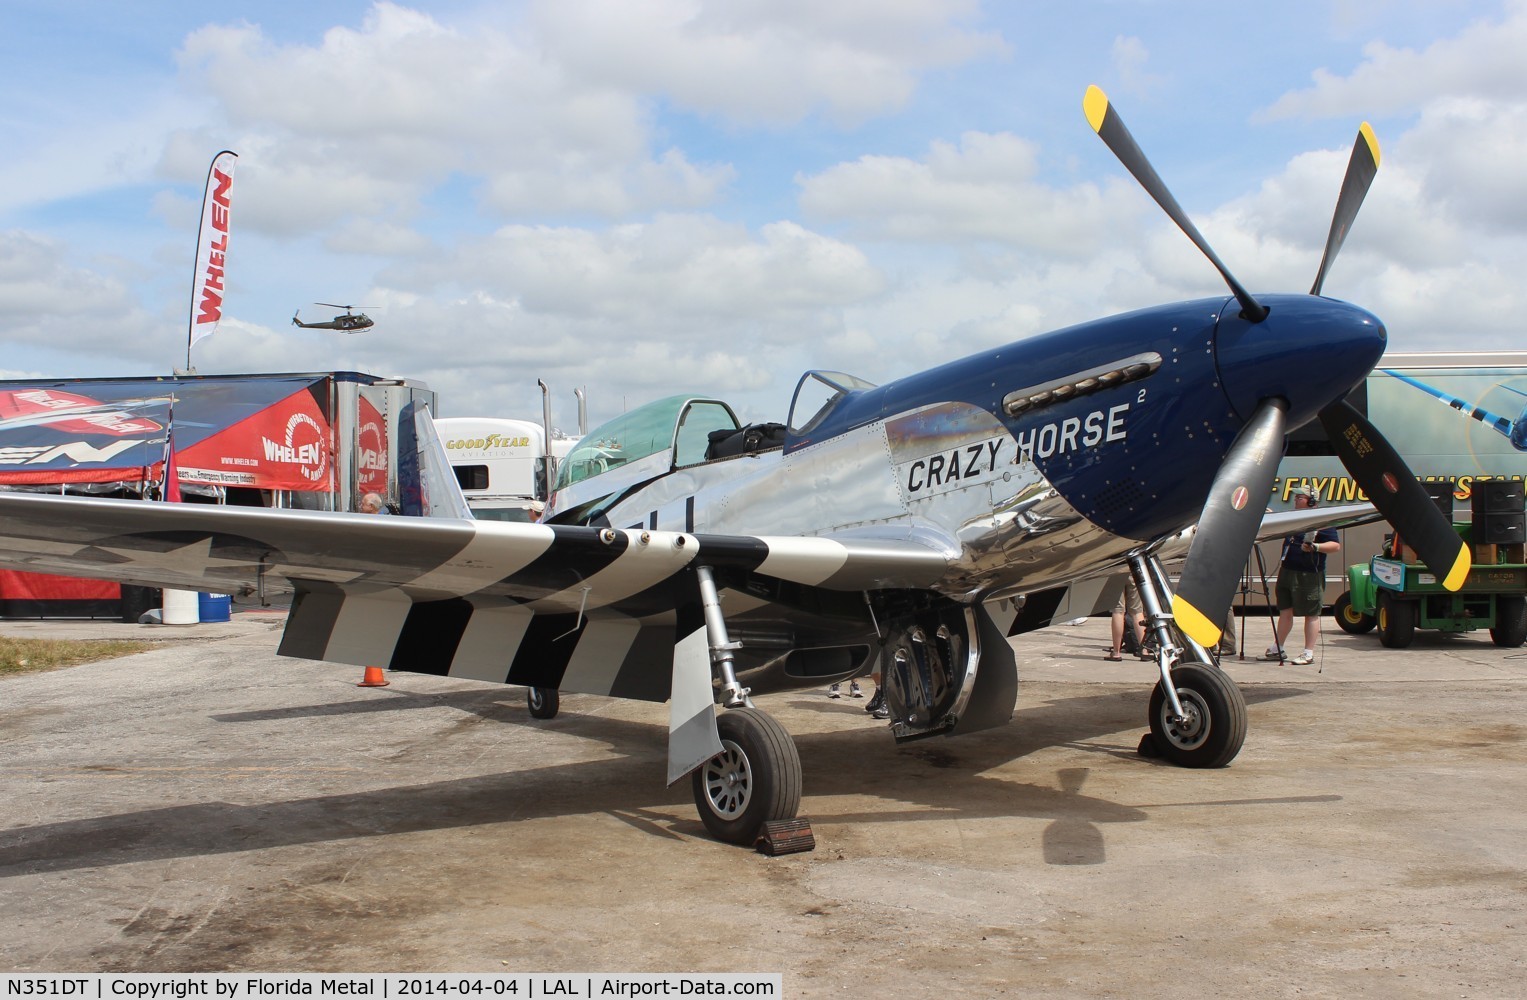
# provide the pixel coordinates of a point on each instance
(373, 679)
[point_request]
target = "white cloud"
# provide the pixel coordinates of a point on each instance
(634, 311)
(401, 74)
(369, 120)
(88, 154)
(765, 61)
(285, 189)
(1129, 60)
(1483, 60)
(483, 356)
(554, 191)
(380, 238)
(553, 119)
(1470, 152)
(985, 188)
(368, 148)
(673, 277)
(553, 116)
(45, 300)
(1442, 240)
(599, 189)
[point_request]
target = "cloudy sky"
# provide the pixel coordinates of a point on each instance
(715, 195)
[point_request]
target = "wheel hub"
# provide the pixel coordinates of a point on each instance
(728, 781)
(1190, 730)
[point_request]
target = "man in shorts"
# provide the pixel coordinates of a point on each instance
(1302, 583)
(1128, 609)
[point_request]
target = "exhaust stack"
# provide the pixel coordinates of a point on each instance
(548, 460)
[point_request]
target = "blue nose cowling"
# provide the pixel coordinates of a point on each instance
(1309, 350)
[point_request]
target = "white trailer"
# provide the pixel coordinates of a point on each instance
(499, 462)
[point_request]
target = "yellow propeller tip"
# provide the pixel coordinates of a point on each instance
(1366, 132)
(1460, 571)
(1194, 624)
(1095, 104)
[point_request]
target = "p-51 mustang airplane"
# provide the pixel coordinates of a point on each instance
(915, 525)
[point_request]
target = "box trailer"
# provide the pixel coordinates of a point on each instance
(1458, 420)
(500, 463)
(312, 440)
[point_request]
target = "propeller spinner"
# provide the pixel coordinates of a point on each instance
(1233, 509)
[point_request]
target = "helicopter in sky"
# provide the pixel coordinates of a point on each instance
(350, 322)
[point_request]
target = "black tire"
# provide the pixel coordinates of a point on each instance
(1351, 621)
(1510, 628)
(543, 702)
(1216, 718)
(1397, 621)
(755, 779)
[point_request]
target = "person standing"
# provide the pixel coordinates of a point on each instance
(877, 706)
(1126, 613)
(836, 691)
(1301, 584)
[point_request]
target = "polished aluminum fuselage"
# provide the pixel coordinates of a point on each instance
(997, 519)
(1028, 466)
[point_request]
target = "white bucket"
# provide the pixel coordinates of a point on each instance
(181, 607)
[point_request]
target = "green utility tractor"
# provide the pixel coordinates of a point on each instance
(1399, 597)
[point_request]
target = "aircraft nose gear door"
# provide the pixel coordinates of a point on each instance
(929, 666)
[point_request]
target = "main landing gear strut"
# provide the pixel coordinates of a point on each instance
(757, 776)
(1197, 714)
(1197, 718)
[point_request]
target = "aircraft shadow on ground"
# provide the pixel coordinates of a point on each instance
(939, 779)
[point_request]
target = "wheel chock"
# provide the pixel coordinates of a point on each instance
(373, 678)
(785, 836)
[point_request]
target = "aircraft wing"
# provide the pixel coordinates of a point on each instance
(1098, 595)
(591, 610)
(1279, 524)
(441, 595)
(1294, 522)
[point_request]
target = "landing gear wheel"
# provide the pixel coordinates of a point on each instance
(1215, 726)
(1397, 622)
(1510, 628)
(543, 702)
(1352, 622)
(756, 777)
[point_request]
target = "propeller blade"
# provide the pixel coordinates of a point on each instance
(1228, 527)
(1105, 121)
(1354, 187)
(1392, 488)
